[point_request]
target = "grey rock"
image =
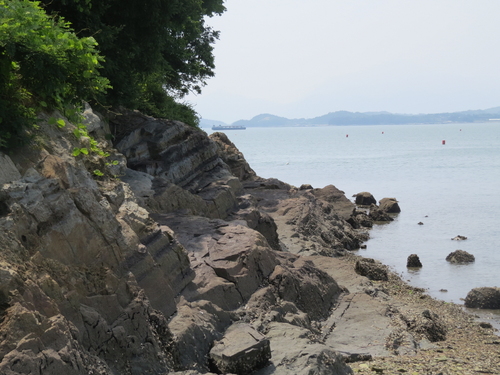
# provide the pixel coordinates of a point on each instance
(8, 171)
(241, 350)
(427, 324)
(228, 152)
(304, 357)
(413, 261)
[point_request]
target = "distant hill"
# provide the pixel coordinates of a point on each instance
(373, 118)
(206, 123)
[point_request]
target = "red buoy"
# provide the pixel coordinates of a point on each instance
(443, 142)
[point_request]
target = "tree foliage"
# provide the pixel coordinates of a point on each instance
(155, 50)
(144, 55)
(42, 63)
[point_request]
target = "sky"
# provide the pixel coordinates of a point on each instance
(302, 59)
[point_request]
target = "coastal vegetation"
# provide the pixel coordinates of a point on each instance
(139, 55)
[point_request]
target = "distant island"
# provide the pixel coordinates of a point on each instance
(367, 118)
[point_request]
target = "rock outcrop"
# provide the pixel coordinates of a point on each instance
(175, 253)
(365, 199)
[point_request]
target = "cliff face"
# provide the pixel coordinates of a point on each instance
(141, 270)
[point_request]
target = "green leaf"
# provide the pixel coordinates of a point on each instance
(76, 152)
(84, 151)
(61, 123)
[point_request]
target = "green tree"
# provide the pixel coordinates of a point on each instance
(156, 51)
(43, 63)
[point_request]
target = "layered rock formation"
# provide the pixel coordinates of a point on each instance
(144, 269)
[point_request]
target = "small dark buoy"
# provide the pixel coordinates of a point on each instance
(382, 132)
(420, 223)
(443, 142)
(347, 135)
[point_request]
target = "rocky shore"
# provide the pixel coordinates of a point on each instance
(171, 256)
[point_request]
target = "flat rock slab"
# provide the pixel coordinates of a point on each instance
(242, 350)
(361, 326)
(294, 351)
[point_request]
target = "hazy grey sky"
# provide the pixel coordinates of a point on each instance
(298, 58)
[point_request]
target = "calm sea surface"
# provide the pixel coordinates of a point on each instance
(454, 189)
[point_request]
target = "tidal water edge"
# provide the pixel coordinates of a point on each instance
(452, 188)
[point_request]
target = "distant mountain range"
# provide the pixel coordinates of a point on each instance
(367, 118)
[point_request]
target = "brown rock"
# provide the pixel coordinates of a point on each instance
(242, 350)
(460, 256)
(413, 261)
(378, 214)
(371, 269)
(389, 205)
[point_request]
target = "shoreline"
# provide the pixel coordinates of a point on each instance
(189, 250)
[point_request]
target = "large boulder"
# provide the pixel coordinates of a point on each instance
(378, 214)
(413, 261)
(365, 199)
(371, 269)
(460, 256)
(242, 350)
(389, 205)
(483, 298)
(342, 206)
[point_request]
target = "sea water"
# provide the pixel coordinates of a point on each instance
(446, 176)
